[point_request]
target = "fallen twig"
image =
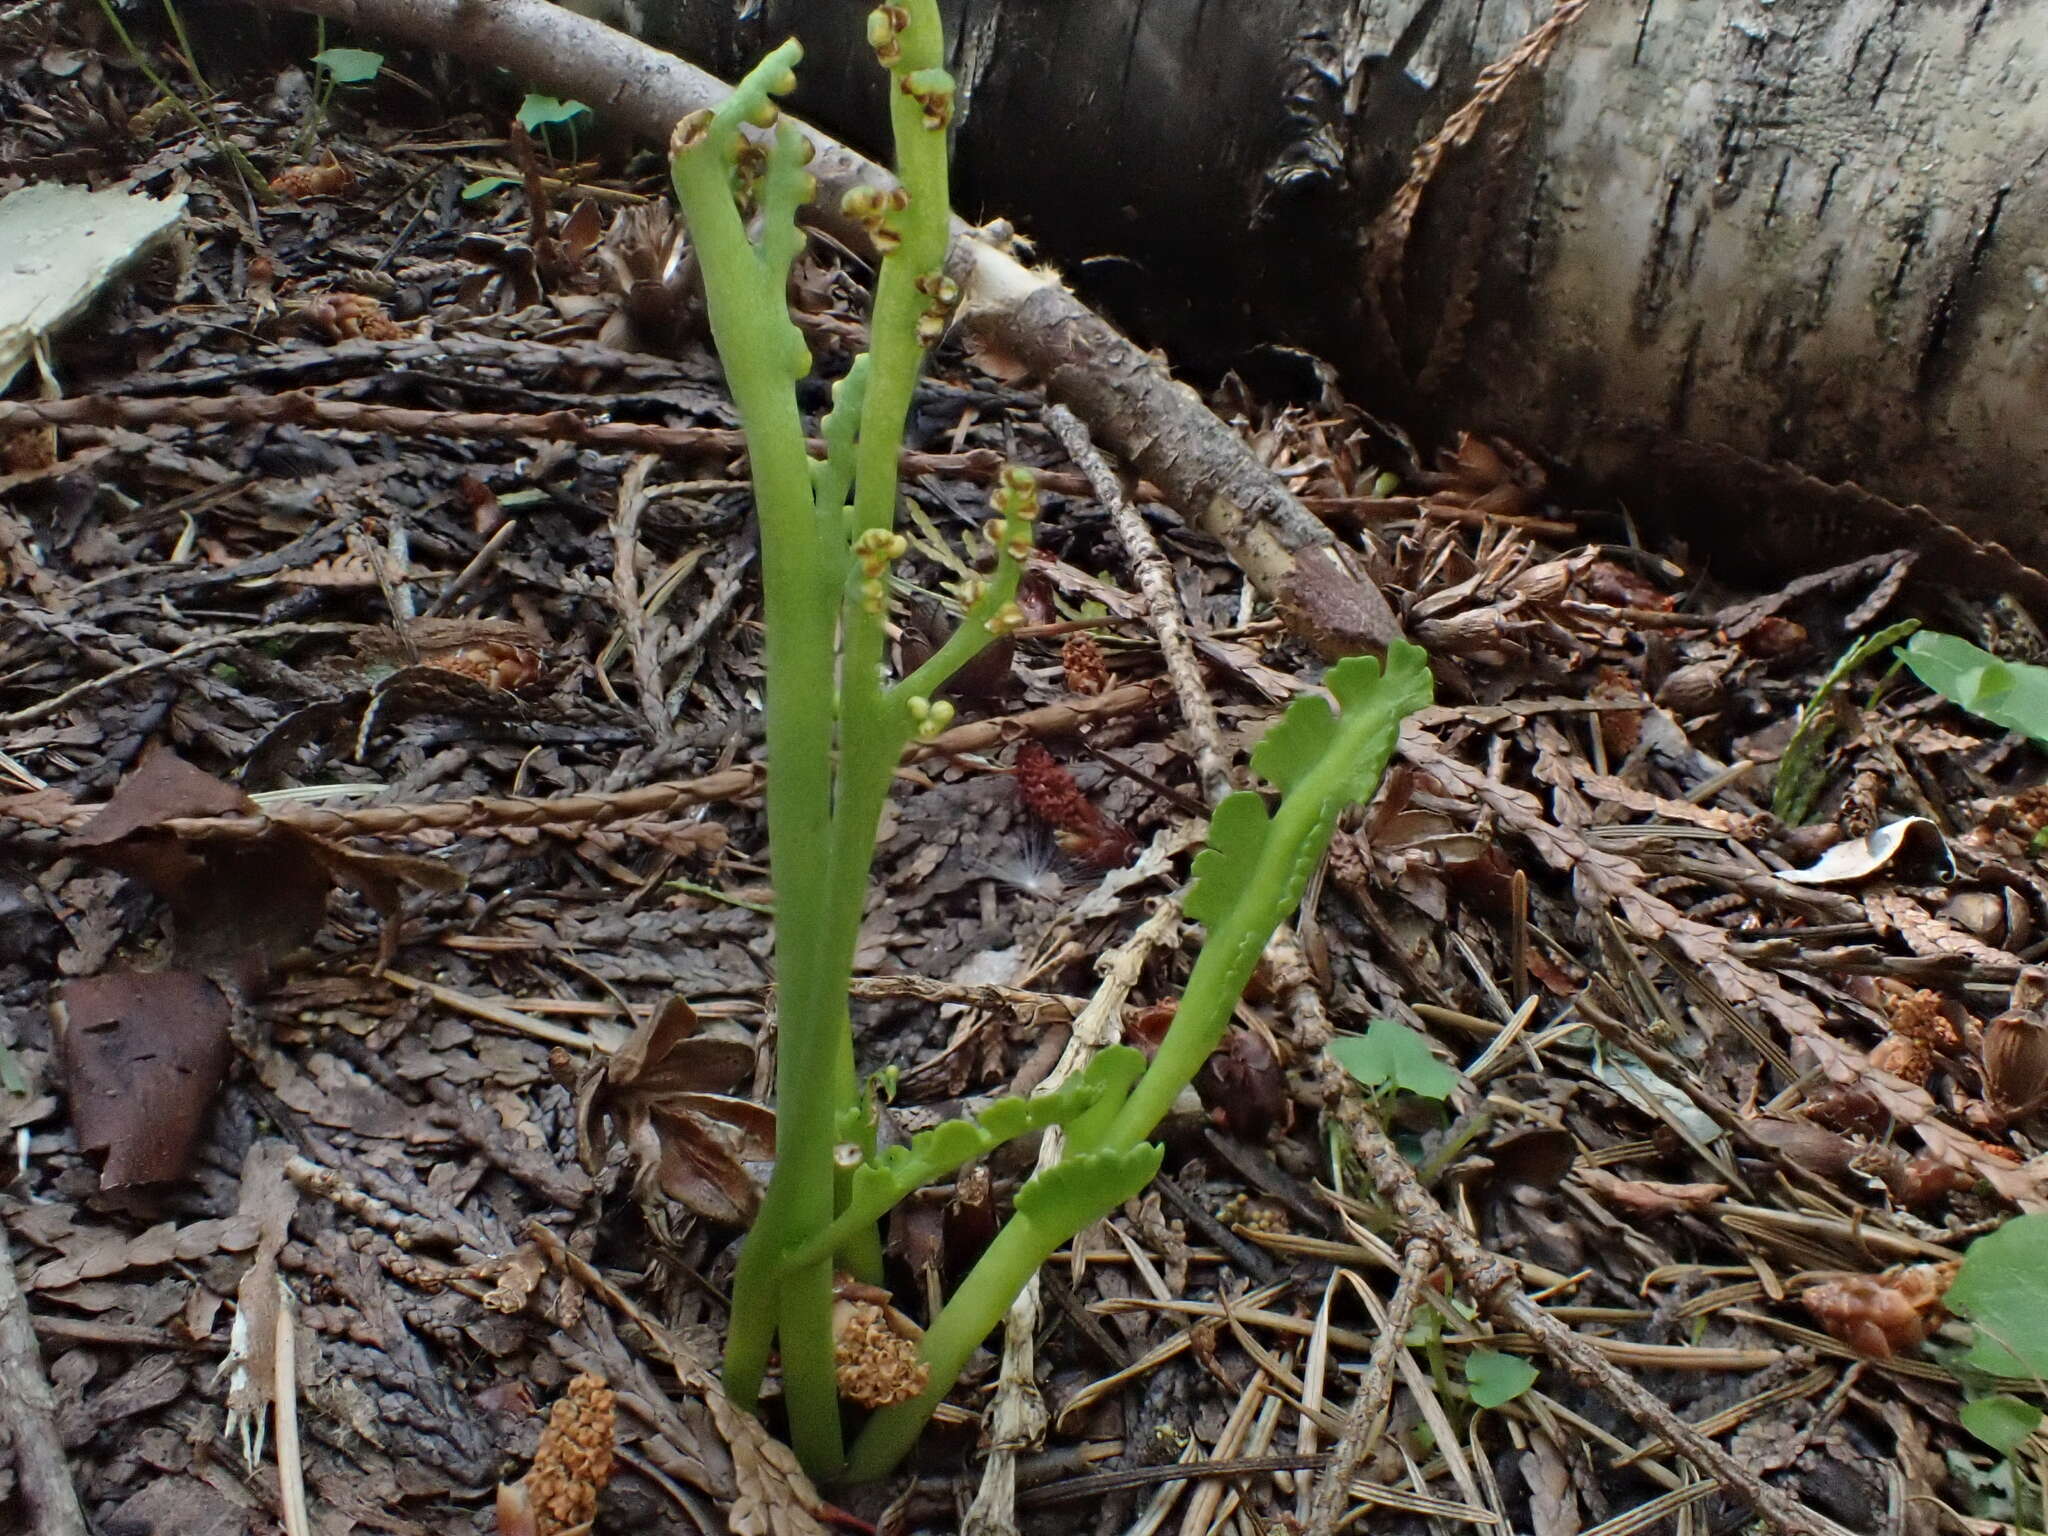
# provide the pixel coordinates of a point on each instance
(29, 1410)
(1162, 603)
(488, 813)
(1362, 1427)
(1160, 426)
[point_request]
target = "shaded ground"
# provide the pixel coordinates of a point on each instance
(326, 536)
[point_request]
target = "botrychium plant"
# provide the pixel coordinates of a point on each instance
(836, 730)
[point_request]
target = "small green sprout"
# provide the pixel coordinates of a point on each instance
(538, 111)
(1391, 1055)
(1492, 1378)
(1801, 774)
(349, 66)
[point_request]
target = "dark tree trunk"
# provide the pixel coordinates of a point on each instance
(1707, 235)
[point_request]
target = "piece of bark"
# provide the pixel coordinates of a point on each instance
(1129, 401)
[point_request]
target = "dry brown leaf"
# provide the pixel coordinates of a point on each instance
(660, 1093)
(238, 908)
(1652, 1197)
(1553, 1502)
(143, 1055)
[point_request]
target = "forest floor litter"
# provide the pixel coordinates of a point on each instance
(379, 772)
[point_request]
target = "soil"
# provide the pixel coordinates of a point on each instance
(411, 505)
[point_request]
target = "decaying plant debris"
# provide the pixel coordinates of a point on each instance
(354, 504)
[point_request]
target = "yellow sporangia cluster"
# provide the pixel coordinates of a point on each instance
(876, 1353)
(558, 1496)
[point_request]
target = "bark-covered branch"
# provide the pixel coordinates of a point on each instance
(1127, 399)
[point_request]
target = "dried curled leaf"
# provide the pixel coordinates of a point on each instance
(664, 1093)
(1883, 1315)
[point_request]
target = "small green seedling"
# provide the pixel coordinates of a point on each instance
(1800, 770)
(484, 186)
(1390, 1055)
(1492, 1378)
(837, 726)
(336, 67)
(348, 66)
(2012, 694)
(538, 113)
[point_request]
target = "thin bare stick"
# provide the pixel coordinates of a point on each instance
(291, 1466)
(646, 801)
(1162, 603)
(1323, 592)
(626, 598)
(29, 1409)
(471, 573)
(30, 713)
(1362, 1426)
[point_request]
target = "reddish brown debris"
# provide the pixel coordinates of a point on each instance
(345, 316)
(330, 178)
(876, 1348)
(1904, 1057)
(1049, 792)
(1620, 729)
(1772, 638)
(1923, 1015)
(1882, 1315)
(1086, 671)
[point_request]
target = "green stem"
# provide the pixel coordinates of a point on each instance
(759, 344)
(1230, 953)
(874, 726)
(969, 1316)
(1349, 758)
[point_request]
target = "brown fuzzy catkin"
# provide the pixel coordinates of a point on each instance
(1082, 662)
(574, 1461)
